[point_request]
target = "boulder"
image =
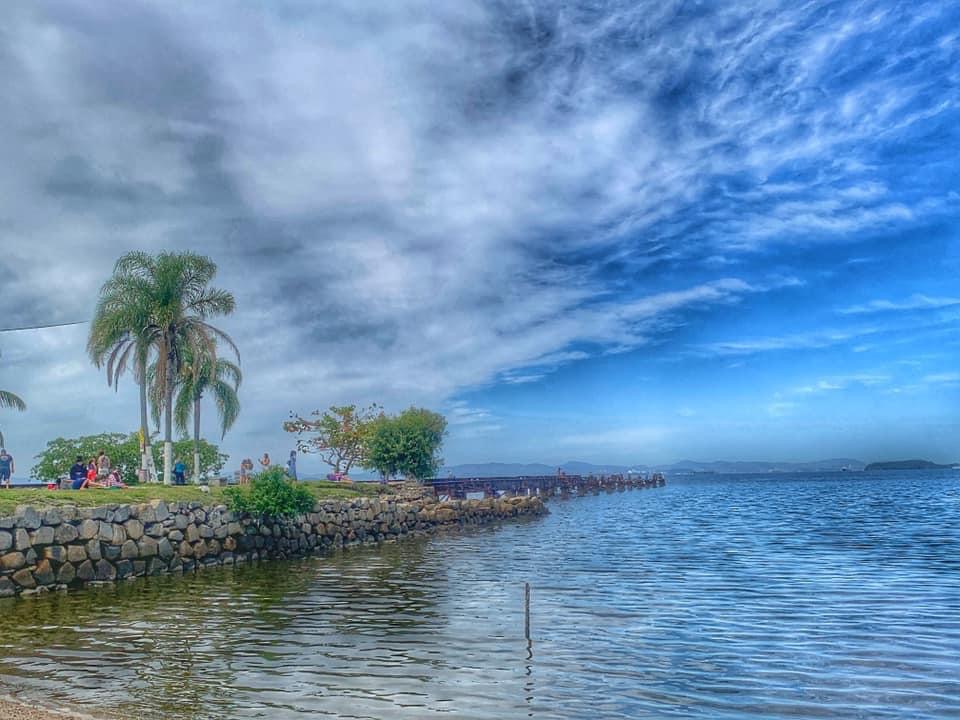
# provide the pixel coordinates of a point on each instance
(21, 539)
(12, 561)
(66, 533)
(134, 529)
(7, 588)
(55, 553)
(67, 574)
(129, 550)
(6, 541)
(94, 551)
(89, 529)
(76, 553)
(105, 571)
(165, 549)
(24, 578)
(148, 547)
(42, 536)
(121, 514)
(86, 571)
(44, 574)
(28, 518)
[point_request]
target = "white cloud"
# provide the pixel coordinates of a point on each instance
(914, 302)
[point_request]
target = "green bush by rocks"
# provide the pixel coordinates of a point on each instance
(270, 494)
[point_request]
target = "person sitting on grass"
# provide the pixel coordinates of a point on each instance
(78, 474)
(113, 480)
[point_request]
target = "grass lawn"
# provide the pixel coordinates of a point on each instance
(42, 498)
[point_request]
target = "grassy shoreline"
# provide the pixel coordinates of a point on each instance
(42, 498)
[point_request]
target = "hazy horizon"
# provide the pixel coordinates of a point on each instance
(631, 232)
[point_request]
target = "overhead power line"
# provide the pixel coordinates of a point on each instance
(41, 327)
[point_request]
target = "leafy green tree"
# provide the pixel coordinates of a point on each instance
(270, 494)
(124, 452)
(162, 304)
(9, 400)
(407, 444)
(338, 435)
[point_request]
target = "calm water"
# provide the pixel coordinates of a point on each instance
(834, 596)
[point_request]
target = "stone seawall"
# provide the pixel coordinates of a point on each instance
(58, 548)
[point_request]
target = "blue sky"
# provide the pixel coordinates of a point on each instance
(620, 232)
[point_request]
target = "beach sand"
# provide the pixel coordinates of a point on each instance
(12, 710)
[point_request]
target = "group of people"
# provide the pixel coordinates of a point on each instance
(96, 472)
(246, 466)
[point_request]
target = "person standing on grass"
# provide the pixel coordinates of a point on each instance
(103, 464)
(246, 467)
(179, 472)
(265, 461)
(7, 467)
(292, 465)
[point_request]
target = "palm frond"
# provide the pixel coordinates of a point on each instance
(9, 400)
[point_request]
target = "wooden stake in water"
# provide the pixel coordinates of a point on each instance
(526, 610)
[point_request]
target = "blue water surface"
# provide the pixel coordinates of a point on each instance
(827, 596)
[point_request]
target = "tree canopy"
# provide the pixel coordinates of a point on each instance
(407, 444)
(339, 435)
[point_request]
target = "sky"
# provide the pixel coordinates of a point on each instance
(619, 232)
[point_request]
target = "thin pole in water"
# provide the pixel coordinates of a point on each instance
(526, 610)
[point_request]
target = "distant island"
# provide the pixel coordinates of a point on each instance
(684, 467)
(907, 465)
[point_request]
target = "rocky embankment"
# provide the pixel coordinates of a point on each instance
(63, 547)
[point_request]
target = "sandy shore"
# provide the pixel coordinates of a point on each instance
(13, 710)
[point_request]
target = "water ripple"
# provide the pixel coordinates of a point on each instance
(813, 597)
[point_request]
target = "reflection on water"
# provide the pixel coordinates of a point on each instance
(724, 598)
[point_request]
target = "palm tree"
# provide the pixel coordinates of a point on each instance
(169, 301)
(202, 373)
(9, 400)
(118, 335)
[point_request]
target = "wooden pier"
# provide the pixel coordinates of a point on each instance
(542, 485)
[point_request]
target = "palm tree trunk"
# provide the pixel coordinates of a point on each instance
(168, 432)
(196, 439)
(144, 429)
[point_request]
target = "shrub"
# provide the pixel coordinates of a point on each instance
(270, 494)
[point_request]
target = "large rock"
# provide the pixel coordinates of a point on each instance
(89, 529)
(206, 532)
(94, 550)
(43, 573)
(121, 514)
(165, 549)
(105, 571)
(66, 533)
(7, 588)
(193, 533)
(52, 517)
(105, 531)
(76, 553)
(28, 518)
(86, 571)
(55, 553)
(21, 539)
(134, 529)
(6, 541)
(12, 561)
(24, 578)
(148, 547)
(129, 550)
(42, 536)
(66, 574)
(160, 509)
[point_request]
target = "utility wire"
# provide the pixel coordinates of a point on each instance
(41, 327)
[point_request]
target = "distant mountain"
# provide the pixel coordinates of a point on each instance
(907, 465)
(576, 467)
(748, 467)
